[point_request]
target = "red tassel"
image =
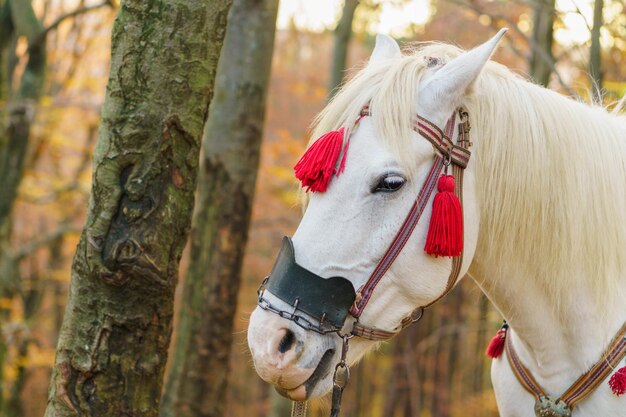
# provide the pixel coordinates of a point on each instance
(317, 166)
(445, 234)
(496, 346)
(618, 382)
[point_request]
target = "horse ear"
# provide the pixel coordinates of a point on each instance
(385, 48)
(453, 80)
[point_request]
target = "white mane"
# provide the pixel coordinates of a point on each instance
(551, 171)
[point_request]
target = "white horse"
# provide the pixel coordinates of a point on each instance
(544, 202)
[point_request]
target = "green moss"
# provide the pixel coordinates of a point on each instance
(113, 345)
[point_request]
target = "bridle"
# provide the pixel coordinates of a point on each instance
(322, 304)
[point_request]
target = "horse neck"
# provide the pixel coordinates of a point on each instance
(553, 280)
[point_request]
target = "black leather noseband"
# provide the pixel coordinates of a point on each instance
(327, 300)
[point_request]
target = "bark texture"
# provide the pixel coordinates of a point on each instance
(343, 33)
(230, 158)
(542, 59)
(115, 334)
(595, 53)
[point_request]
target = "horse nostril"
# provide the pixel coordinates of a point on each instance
(286, 342)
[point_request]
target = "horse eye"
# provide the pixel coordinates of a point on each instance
(389, 183)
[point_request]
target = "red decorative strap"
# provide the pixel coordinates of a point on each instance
(438, 137)
(520, 371)
(371, 333)
(400, 239)
(459, 153)
(587, 382)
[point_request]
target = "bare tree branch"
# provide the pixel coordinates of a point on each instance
(81, 10)
(74, 184)
(513, 26)
(581, 14)
(35, 244)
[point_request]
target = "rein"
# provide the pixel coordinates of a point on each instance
(331, 300)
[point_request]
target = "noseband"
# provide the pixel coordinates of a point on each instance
(331, 305)
(327, 302)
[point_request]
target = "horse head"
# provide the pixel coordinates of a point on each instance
(348, 228)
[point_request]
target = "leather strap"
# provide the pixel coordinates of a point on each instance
(288, 281)
(298, 409)
(458, 157)
(584, 385)
(458, 152)
(405, 231)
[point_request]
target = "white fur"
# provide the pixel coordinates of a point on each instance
(385, 48)
(544, 201)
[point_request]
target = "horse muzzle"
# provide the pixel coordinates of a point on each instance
(298, 363)
(292, 333)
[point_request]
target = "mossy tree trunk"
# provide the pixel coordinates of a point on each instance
(232, 139)
(113, 342)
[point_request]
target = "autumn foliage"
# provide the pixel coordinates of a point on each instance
(434, 369)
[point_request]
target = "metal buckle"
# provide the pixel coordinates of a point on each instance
(261, 289)
(463, 115)
(342, 371)
(415, 318)
(295, 307)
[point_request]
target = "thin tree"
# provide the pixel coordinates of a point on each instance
(232, 139)
(541, 57)
(17, 106)
(17, 109)
(595, 60)
(343, 33)
(113, 343)
(19, 95)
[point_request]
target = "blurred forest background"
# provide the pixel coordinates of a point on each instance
(55, 59)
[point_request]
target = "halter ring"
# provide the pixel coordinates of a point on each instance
(417, 314)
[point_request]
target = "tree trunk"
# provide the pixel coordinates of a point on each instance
(541, 60)
(6, 35)
(14, 140)
(113, 343)
(394, 387)
(478, 380)
(17, 18)
(197, 382)
(343, 32)
(595, 52)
